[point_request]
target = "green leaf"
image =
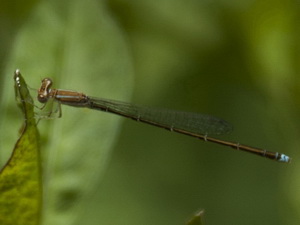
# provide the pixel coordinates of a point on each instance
(196, 219)
(20, 178)
(80, 47)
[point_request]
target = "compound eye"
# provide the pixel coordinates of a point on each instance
(43, 92)
(42, 98)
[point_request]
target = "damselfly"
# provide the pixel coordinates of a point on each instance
(192, 124)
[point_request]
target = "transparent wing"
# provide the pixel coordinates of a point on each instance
(169, 119)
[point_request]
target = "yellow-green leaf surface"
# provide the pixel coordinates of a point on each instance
(196, 219)
(20, 178)
(79, 46)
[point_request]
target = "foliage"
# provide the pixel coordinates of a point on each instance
(20, 178)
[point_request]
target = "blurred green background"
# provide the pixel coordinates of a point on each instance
(238, 60)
